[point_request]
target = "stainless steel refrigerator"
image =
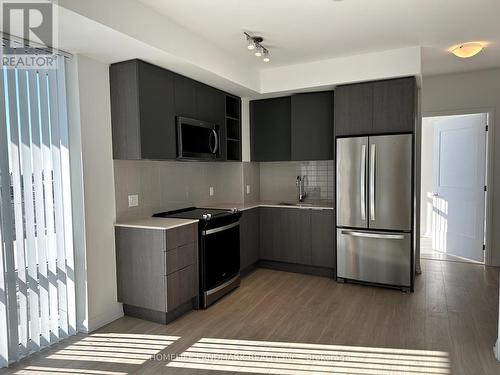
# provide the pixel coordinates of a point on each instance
(374, 210)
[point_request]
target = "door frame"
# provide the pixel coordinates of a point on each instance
(490, 121)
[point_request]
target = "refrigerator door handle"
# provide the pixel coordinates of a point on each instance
(362, 180)
(372, 181)
(373, 235)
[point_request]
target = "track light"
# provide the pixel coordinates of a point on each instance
(266, 56)
(254, 44)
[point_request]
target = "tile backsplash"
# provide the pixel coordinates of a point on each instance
(165, 185)
(277, 180)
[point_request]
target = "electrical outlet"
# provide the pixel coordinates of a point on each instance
(133, 200)
(248, 189)
(211, 191)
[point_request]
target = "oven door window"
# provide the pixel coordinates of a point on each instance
(222, 256)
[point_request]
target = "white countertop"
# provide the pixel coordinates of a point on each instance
(160, 223)
(248, 206)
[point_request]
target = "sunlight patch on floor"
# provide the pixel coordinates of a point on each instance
(91, 354)
(301, 359)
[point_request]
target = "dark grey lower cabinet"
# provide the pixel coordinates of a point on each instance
(297, 236)
(323, 238)
(249, 238)
(285, 235)
(157, 271)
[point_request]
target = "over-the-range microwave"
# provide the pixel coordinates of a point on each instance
(198, 140)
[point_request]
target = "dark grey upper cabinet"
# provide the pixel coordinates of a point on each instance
(185, 97)
(145, 100)
(142, 111)
(380, 107)
(270, 129)
(211, 106)
(323, 238)
(354, 109)
(394, 105)
(249, 238)
(312, 126)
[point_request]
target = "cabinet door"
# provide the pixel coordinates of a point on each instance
(285, 235)
(125, 110)
(249, 238)
(323, 238)
(394, 106)
(354, 109)
(157, 116)
(185, 96)
(211, 107)
(270, 129)
(298, 236)
(312, 126)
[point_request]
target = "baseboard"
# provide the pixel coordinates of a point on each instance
(109, 316)
(297, 268)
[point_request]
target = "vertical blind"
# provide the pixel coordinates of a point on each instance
(37, 292)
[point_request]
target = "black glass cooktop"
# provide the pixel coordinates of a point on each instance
(195, 213)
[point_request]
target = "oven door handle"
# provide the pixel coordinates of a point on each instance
(219, 229)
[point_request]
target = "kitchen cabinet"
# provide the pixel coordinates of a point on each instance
(157, 271)
(394, 105)
(323, 238)
(249, 238)
(380, 107)
(145, 100)
(354, 109)
(312, 126)
(142, 111)
(186, 104)
(211, 107)
(285, 235)
(270, 129)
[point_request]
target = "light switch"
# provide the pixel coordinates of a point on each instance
(248, 189)
(211, 191)
(133, 200)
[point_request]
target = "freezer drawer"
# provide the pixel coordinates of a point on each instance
(375, 257)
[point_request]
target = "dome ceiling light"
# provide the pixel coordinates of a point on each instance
(254, 45)
(466, 50)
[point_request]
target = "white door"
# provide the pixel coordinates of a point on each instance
(458, 185)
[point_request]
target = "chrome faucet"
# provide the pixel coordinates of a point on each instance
(301, 187)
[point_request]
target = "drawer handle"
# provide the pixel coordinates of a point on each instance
(373, 235)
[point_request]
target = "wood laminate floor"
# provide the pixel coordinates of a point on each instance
(285, 323)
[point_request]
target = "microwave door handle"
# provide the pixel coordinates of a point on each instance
(216, 146)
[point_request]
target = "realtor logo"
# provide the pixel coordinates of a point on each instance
(29, 34)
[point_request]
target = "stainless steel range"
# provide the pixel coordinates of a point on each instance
(219, 250)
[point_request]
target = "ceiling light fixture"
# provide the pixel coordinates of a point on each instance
(466, 50)
(254, 43)
(266, 56)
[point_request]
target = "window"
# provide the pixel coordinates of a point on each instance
(37, 297)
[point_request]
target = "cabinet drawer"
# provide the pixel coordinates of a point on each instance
(181, 286)
(182, 235)
(181, 257)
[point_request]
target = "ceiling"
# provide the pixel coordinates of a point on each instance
(298, 31)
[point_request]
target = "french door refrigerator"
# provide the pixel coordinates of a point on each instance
(374, 210)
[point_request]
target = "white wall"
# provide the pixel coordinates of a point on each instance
(89, 109)
(471, 91)
(426, 177)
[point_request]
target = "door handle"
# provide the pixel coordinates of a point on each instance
(216, 138)
(373, 235)
(372, 181)
(362, 186)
